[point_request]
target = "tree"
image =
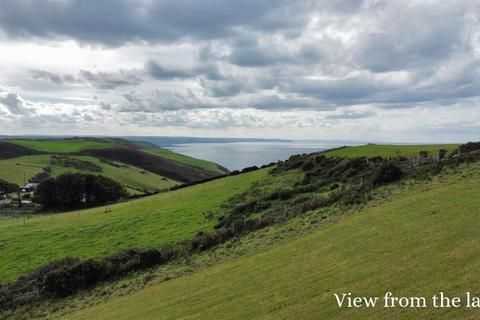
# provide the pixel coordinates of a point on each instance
(70, 191)
(46, 194)
(7, 187)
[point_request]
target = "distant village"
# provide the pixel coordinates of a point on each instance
(22, 197)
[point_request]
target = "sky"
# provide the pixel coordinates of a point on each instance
(373, 70)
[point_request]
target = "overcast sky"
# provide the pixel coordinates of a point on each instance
(349, 69)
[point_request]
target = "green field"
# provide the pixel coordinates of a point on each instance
(389, 150)
(20, 170)
(63, 146)
(165, 153)
(133, 178)
(137, 180)
(148, 222)
(422, 241)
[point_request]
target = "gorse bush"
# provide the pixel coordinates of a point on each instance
(386, 173)
(467, 148)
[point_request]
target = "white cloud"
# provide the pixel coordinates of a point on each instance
(304, 68)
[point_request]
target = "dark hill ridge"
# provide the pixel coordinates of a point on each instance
(10, 150)
(158, 165)
(161, 168)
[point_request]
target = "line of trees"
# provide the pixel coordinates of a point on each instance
(74, 190)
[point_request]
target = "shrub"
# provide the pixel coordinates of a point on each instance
(441, 154)
(68, 276)
(307, 166)
(386, 173)
(468, 147)
(249, 169)
(423, 154)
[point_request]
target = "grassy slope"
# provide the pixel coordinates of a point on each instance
(423, 241)
(203, 164)
(16, 169)
(133, 178)
(63, 146)
(389, 150)
(146, 222)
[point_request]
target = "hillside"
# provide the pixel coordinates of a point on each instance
(374, 150)
(299, 231)
(152, 221)
(138, 168)
(422, 241)
(64, 145)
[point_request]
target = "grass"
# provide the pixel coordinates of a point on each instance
(18, 170)
(63, 146)
(136, 180)
(389, 150)
(423, 241)
(167, 154)
(147, 222)
(133, 178)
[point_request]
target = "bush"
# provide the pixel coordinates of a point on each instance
(68, 276)
(387, 173)
(307, 166)
(441, 154)
(249, 169)
(282, 194)
(468, 147)
(423, 154)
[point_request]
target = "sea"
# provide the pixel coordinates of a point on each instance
(239, 155)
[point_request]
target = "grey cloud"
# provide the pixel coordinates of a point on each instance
(350, 115)
(227, 88)
(161, 100)
(267, 55)
(203, 119)
(53, 77)
(263, 55)
(113, 22)
(460, 80)
(415, 36)
(159, 72)
(276, 103)
(110, 80)
(342, 6)
(255, 57)
(209, 71)
(101, 80)
(341, 91)
(15, 104)
(105, 106)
